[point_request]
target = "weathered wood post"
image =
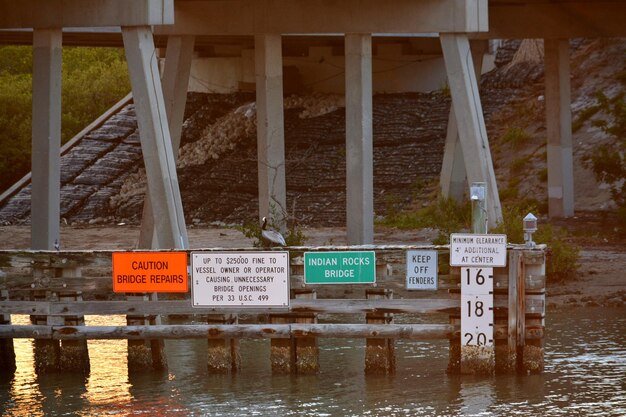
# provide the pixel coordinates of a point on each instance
(534, 281)
(7, 351)
(454, 349)
(380, 355)
(282, 355)
(74, 355)
(223, 354)
(507, 355)
(45, 352)
(144, 355)
(306, 349)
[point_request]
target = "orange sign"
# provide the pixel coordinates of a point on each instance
(150, 272)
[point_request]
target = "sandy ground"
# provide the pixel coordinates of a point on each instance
(601, 279)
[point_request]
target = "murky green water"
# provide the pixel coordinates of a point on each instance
(585, 375)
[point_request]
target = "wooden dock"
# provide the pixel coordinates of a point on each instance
(58, 289)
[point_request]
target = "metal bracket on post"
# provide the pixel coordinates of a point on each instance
(478, 196)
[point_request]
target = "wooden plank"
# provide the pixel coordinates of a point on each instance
(25, 307)
(32, 331)
(535, 304)
(257, 331)
(54, 259)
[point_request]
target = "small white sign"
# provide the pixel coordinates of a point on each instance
(421, 270)
(477, 250)
(240, 279)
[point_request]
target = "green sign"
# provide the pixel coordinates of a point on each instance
(339, 267)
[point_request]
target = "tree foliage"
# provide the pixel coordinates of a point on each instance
(93, 79)
(608, 161)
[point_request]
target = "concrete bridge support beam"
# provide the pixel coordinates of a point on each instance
(270, 129)
(559, 128)
(453, 179)
(359, 139)
(155, 137)
(469, 118)
(175, 80)
(46, 156)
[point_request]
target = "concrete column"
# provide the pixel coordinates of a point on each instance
(559, 128)
(175, 81)
(155, 137)
(46, 147)
(469, 118)
(453, 179)
(359, 139)
(270, 129)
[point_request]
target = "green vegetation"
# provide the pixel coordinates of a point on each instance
(444, 90)
(517, 137)
(519, 165)
(608, 161)
(445, 215)
(93, 79)
(562, 262)
(584, 115)
(448, 216)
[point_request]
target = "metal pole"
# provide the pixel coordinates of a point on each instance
(478, 196)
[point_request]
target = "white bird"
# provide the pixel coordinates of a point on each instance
(271, 236)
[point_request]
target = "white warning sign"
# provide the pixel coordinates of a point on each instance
(240, 279)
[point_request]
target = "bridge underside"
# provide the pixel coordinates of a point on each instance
(274, 28)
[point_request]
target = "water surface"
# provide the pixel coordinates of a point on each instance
(585, 375)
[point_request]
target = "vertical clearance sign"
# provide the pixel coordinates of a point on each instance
(477, 255)
(150, 272)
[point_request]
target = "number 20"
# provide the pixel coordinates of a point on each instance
(481, 339)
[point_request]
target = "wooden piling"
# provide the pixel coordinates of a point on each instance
(306, 349)
(223, 354)
(454, 348)
(145, 355)
(282, 355)
(533, 349)
(73, 354)
(380, 358)
(45, 352)
(7, 351)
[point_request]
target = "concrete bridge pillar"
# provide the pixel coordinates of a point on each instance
(469, 117)
(270, 129)
(359, 139)
(155, 137)
(46, 147)
(453, 179)
(559, 128)
(175, 80)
